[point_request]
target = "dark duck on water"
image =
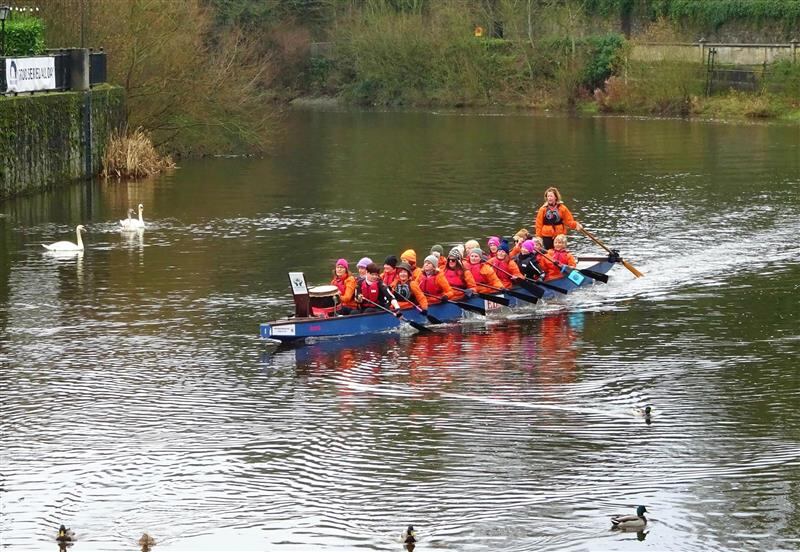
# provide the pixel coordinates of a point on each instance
(65, 535)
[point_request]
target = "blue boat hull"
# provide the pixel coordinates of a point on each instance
(294, 329)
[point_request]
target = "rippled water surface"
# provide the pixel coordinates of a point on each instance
(137, 396)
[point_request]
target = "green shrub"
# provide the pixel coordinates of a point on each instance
(388, 58)
(604, 58)
(663, 88)
(595, 58)
(714, 13)
(24, 36)
(783, 77)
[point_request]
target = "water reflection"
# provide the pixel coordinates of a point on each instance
(517, 433)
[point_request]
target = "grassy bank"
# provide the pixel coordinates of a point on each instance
(431, 57)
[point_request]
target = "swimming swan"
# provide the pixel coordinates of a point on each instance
(128, 221)
(66, 245)
(131, 223)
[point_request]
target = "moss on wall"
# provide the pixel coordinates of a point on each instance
(43, 138)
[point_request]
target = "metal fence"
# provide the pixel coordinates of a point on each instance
(737, 66)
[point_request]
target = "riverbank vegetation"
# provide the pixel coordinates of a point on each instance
(213, 76)
(196, 87)
(132, 155)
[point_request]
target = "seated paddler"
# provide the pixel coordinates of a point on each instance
(406, 290)
(561, 256)
(506, 269)
(346, 283)
(373, 293)
(432, 281)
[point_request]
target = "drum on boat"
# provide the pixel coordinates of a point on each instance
(323, 297)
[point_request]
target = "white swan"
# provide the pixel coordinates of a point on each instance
(67, 245)
(127, 222)
(132, 223)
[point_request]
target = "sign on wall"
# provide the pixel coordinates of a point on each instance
(29, 74)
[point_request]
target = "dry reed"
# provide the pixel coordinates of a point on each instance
(132, 155)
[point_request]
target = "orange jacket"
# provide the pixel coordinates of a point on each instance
(389, 277)
(549, 231)
(483, 273)
(435, 284)
(552, 271)
(347, 289)
(442, 263)
(419, 297)
(461, 279)
(506, 265)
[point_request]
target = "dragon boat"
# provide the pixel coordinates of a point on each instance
(314, 313)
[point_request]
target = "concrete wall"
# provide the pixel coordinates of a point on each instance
(56, 137)
(734, 54)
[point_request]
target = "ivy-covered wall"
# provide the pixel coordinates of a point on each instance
(43, 136)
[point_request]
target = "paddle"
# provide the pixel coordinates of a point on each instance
(518, 295)
(420, 327)
(625, 263)
(432, 319)
(554, 288)
(528, 284)
(599, 276)
(494, 299)
(459, 304)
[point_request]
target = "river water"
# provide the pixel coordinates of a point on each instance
(137, 396)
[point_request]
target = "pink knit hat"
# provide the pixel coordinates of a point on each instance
(343, 262)
(494, 240)
(529, 245)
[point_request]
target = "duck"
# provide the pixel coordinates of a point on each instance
(636, 522)
(132, 223)
(67, 245)
(409, 536)
(146, 542)
(65, 535)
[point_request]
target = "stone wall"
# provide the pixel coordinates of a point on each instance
(43, 137)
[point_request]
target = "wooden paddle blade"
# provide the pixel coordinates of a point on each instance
(495, 299)
(598, 276)
(625, 263)
(630, 267)
(533, 288)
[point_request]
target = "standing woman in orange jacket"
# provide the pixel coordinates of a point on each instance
(553, 218)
